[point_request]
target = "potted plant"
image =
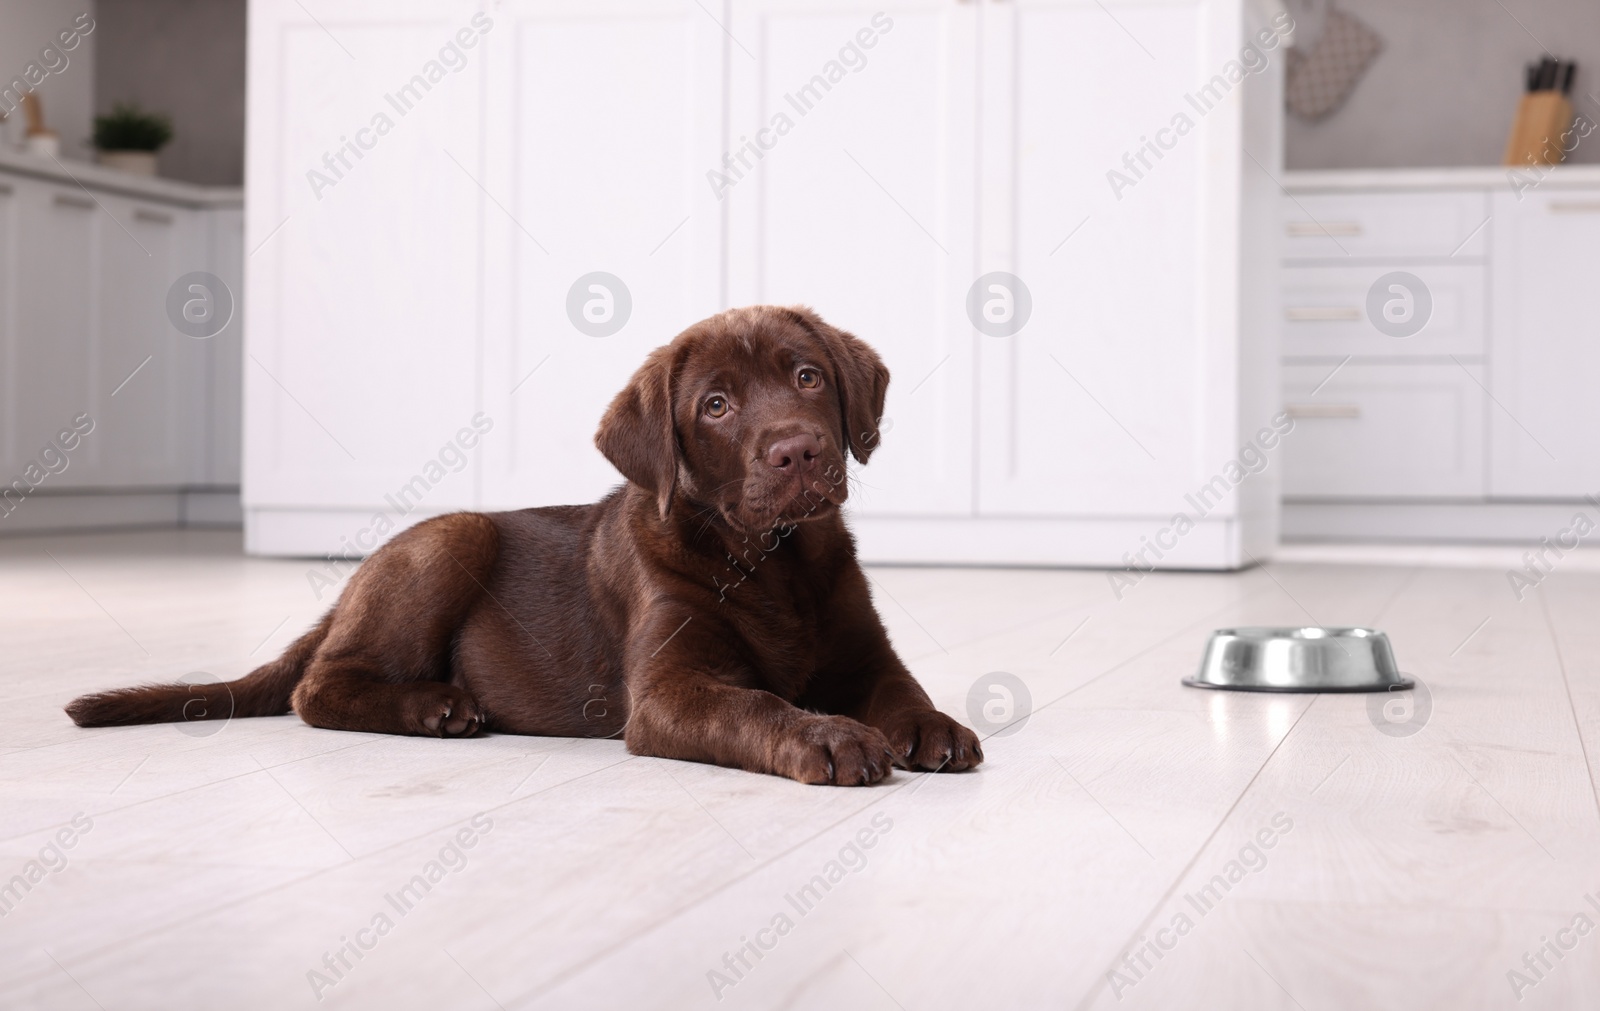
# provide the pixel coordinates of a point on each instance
(128, 138)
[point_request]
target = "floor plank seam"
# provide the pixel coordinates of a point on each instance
(1089, 997)
(1572, 709)
(571, 971)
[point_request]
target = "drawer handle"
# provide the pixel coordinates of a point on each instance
(67, 200)
(156, 217)
(1324, 410)
(1311, 229)
(1575, 207)
(1322, 314)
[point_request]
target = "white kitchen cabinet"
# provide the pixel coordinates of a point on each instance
(1325, 310)
(10, 230)
(223, 358)
(1414, 224)
(1384, 431)
(865, 209)
(1546, 352)
(872, 163)
(88, 256)
(145, 373)
(1478, 426)
(1383, 414)
(976, 139)
(56, 293)
(366, 221)
(90, 314)
(1119, 395)
(606, 123)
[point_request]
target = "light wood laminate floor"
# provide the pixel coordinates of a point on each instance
(243, 864)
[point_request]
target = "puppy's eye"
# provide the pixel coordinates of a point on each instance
(809, 378)
(717, 406)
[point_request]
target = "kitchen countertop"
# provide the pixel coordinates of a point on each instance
(1488, 177)
(98, 177)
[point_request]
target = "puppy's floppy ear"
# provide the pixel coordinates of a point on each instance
(863, 384)
(638, 434)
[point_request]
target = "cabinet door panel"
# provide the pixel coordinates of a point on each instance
(606, 122)
(365, 229)
(57, 291)
(12, 454)
(224, 355)
(1386, 431)
(89, 334)
(1324, 311)
(1110, 397)
(1339, 226)
(861, 204)
(144, 372)
(1543, 346)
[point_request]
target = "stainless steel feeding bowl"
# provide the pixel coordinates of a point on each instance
(1299, 660)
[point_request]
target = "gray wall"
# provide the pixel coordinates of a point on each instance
(1445, 88)
(184, 58)
(26, 28)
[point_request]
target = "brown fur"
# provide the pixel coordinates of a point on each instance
(710, 609)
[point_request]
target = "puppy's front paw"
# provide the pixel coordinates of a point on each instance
(836, 750)
(931, 740)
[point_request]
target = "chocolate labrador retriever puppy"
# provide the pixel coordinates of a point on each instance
(710, 609)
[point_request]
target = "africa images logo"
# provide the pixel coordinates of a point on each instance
(1400, 712)
(1399, 304)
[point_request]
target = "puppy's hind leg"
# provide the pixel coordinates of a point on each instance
(385, 664)
(353, 696)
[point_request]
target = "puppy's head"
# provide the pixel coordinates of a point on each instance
(750, 412)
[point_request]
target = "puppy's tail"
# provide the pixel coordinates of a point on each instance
(262, 692)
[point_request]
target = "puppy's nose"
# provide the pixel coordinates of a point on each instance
(796, 454)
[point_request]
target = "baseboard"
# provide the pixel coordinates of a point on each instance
(206, 508)
(1425, 522)
(106, 509)
(1020, 541)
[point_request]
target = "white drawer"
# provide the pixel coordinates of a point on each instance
(1333, 310)
(1384, 431)
(1325, 226)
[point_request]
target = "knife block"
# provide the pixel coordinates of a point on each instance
(1542, 117)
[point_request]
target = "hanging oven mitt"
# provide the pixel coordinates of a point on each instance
(1321, 78)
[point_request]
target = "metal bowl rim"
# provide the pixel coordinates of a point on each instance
(1296, 633)
(1403, 685)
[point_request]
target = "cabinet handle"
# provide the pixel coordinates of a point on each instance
(1312, 229)
(157, 217)
(1575, 207)
(68, 200)
(1322, 314)
(1324, 410)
